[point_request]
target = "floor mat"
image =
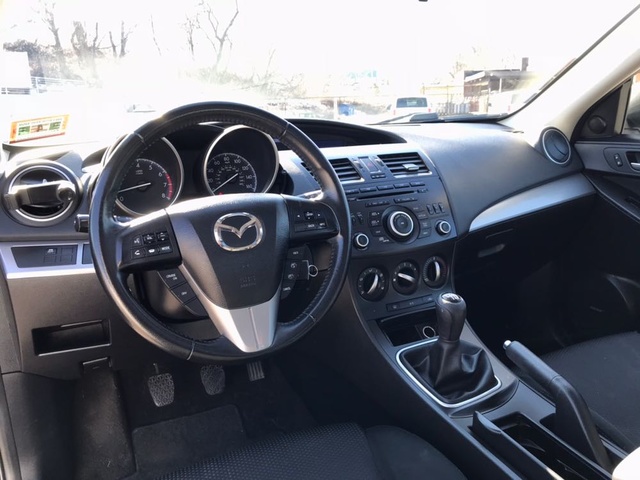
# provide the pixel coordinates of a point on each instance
(265, 406)
(165, 446)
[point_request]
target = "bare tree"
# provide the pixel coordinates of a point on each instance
(153, 34)
(190, 26)
(48, 9)
(85, 49)
(216, 31)
(121, 51)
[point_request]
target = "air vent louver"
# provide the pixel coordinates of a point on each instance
(41, 193)
(343, 167)
(404, 164)
(556, 146)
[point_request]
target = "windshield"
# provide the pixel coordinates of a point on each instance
(82, 69)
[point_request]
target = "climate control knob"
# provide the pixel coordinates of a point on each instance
(443, 228)
(400, 225)
(406, 278)
(360, 241)
(372, 284)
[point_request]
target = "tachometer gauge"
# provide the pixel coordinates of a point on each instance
(146, 187)
(153, 181)
(230, 173)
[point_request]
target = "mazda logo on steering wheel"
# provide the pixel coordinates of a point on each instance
(236, 232)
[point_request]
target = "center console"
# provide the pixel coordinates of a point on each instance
(399, 285)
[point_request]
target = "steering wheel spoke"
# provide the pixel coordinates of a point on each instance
(148, 243)
(310, 220)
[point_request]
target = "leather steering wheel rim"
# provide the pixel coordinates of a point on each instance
(104, 228)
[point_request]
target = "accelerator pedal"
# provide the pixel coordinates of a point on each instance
(255, 371)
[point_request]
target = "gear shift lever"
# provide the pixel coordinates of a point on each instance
(453, 369)
(451, 310)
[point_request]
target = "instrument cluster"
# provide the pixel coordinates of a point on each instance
(239, 160)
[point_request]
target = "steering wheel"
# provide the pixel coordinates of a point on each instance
(230, 248)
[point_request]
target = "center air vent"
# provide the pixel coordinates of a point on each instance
(41, 193)
(556, 146)
(343, 167)
(404, 164)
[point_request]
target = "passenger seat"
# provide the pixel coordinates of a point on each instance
(606, 371)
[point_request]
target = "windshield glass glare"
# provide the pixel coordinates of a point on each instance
(86, 69)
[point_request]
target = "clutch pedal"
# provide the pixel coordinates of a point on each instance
(162, 389)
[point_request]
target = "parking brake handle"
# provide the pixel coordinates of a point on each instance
(573, 421)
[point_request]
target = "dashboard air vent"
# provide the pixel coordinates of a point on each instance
(343, 167)
(404, 164)
(556, 146)
(41, 193)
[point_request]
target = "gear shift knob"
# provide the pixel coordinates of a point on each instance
(451, 311)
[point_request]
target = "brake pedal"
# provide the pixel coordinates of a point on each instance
(162, 389)
(213, 379)
(255, 371)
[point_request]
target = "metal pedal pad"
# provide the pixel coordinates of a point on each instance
(213, 379)
(162, 389)
(255, 371)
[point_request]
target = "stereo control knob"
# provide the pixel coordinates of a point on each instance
(443, 228)
(360, 241)
(400, 225)
(372, 284)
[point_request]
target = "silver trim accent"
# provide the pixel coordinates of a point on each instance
(253, 221)
(357, 239)
(393, 228)
(428, 392)
(251, 329)
(180, 183)
(232, 129)
(533, 200)
(544, 146)
(12, 271)
(61, 213)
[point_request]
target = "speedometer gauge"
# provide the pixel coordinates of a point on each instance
(230, 173)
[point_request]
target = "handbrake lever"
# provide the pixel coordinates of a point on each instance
(573, 421)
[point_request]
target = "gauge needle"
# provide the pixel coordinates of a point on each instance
(225, 182)
(135, 187)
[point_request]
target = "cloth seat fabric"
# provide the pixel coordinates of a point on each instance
(606, 371)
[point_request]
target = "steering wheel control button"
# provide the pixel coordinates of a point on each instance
(137, 241)
(196, 308)
(295, 253)
(184, 293)
(172, 278)
(149, 238)
(443, 228)
(138, 253)
(162, 237)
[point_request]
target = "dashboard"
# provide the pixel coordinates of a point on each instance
(416, 194)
